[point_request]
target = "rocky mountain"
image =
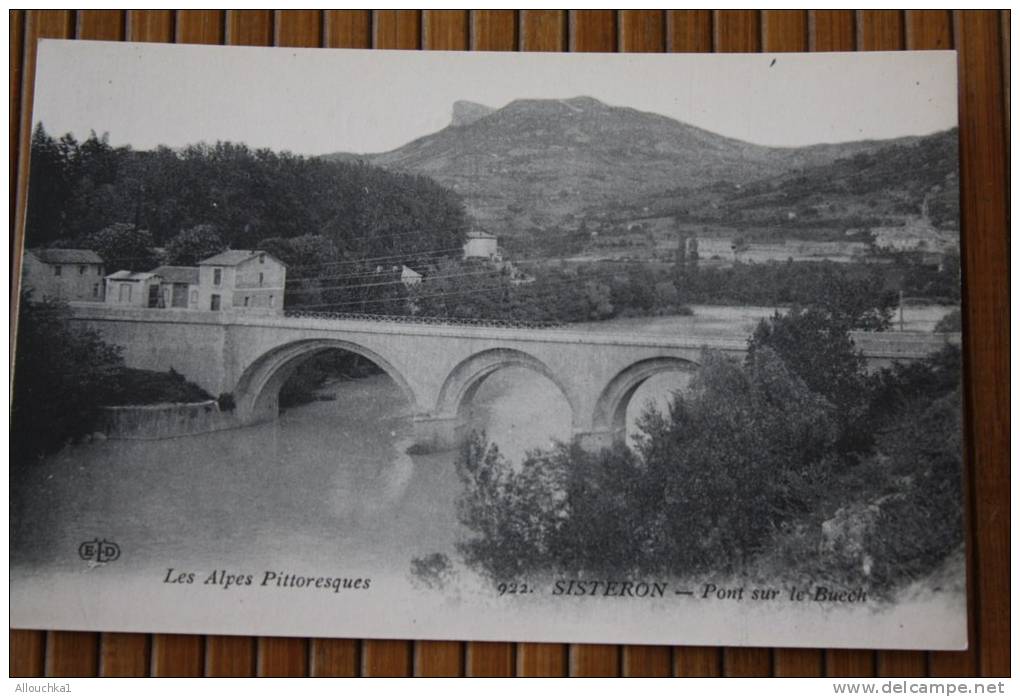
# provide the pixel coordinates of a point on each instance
(538, 164)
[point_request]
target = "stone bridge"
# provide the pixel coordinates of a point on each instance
(439, 367)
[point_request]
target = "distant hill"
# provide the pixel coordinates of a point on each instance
(540, 163)
(900, 180)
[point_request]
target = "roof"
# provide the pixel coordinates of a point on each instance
(123, 275)
(233, 257)
(480, 235)
(66, 256)
(178, 274)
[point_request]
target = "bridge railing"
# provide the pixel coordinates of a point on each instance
(419, 320)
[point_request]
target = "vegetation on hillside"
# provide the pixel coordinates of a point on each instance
(241, 195)
(793, 465)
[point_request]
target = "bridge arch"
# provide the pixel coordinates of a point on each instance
(610, 414)
(463, 382)
(257, 392)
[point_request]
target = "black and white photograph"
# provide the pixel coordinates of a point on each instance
(625, 348)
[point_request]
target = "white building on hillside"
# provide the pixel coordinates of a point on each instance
(481, 245)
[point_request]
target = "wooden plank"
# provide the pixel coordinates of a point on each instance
(150, 25)
(647, 661)
(689, 30)
(27, 653)
(335, 658)
(489, 659)
(592, 30)
(831, 30)
(743, 662)
(249, 28)
(847, 663)
(737, 31)
(281, 657)
(493, 30)
(880, 30)
(387, 658)
(396, 29)
(229, 656)
(784, 30)
(697, 662)
(642, 31)
(439, 659)
(1004, 18)
(298, 28)
(929, 29)
(543, 30)
(123, 655)
(984, 208)
(177, 656)
(199, 27)
(595, 661)
(536, 660)
(445, 30)
(347, 29)
(104, 25)
(798, 663)
(16, 52)
(901, 664)
(72, 654)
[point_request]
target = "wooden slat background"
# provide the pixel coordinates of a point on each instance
(982, 39)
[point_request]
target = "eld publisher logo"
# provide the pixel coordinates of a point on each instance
(97, 550)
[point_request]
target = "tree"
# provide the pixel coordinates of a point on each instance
(821, 352)
(61, 373)
(122, 246)
(194, 244)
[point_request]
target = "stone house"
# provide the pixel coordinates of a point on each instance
(64, 274)
(134, 289)
(242, 280)
(178, 286)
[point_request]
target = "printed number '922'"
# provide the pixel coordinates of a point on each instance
(514, 588)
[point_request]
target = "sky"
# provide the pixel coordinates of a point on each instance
(317, 101)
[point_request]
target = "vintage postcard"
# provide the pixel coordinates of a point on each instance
(655, 349)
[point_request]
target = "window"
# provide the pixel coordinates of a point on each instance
(272, 301)
(99, 270)
(217, 276)
(95, 290)
(246, 299)
(214, 302)
(81, 270)
(261, 277)
(154, 296)
(194, 297)
(57, 270)
(262, 260)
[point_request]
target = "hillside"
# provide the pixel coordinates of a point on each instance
(537, 164)
(917, 179)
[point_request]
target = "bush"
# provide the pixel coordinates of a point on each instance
(133, 386)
